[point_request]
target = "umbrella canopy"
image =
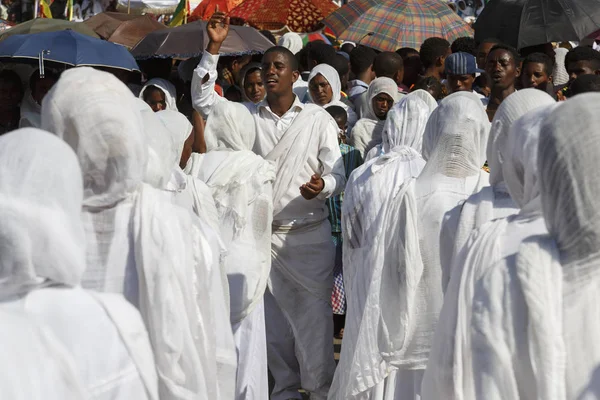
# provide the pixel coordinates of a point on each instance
(208, 7)
(125, 29)
(297, 15)
(388, 25)
(47, 25)
(190, 40)
(140, 7)
(67, 47)
(523, 23)
(314, 36)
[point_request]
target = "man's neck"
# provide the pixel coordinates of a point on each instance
(366, 78)
(499, 94)
(433, 72)
(281, 104)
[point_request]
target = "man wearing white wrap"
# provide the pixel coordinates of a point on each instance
(302, 140)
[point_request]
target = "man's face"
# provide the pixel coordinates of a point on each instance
(10, 95)
(42, 87)
(578, 68)
(382, 103)
(156, 100)
(254, 87)
(482, 53)
(277, 74)
(502, 69)
(461, 83)
(534, 76)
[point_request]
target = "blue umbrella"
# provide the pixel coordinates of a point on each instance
(70, 48)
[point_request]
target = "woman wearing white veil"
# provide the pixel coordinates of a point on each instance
(535, 314)
(138, 242)
(449, 372)
(41, 266)
(164, 87)
(242, 186)
(375, 278)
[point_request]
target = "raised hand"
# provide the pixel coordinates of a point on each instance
(311, 189)
(217, 30)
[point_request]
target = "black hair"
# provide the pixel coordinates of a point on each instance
(540, 58)
(288, 54)
(430, 83)
(269, 36)
(513, 52)
(387, 64)
(340, 64)
(320, 52)
(583, 54)
(233, 93)
(432, 49)
(48, 74)
(11, 76)
(585, 84)
(361, 59)
(407, 52)
(489, 41)
(464, 44)
(337, 112)
(347, 48)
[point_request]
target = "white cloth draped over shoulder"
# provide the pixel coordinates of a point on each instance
(138, 242)
(366, 134)
(31, 112)
(494, 201)
(535, 316)
(449, 372)
(331, 75)
(42, 263)
(454, 148)
(382, 264)
(167, 88)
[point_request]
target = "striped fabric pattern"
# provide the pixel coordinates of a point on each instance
(388, 25)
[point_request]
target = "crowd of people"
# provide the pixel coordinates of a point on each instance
(205, 233)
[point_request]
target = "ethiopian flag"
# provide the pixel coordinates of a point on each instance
(45, 9)
(181, 13)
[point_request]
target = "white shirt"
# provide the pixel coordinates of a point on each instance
(325, 160)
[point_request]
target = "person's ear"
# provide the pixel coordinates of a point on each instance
(295, 76)
(518, 69)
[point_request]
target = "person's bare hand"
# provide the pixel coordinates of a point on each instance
(311, 189)
(217, 30)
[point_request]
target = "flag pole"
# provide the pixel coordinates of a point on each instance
(36, 9)
(185, 15)
(128, 6)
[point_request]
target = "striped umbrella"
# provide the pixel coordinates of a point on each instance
(296, 15)
(388, 25)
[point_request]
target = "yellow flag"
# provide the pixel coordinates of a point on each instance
(45, 9)
(181, 13)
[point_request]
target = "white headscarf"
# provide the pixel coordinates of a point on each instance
(167, 88)
(366, 134)
(138, 243)
(405, 124)
(560, 75)
(230, 126)
(552, 286)
(40, 201)
(179, 128)
(291, 41)
(426, 97)
(449, 371)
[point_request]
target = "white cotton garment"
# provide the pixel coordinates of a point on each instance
(41, 193)
(535, 315)
(494, 201)
(35, 365)
(426, 97)
(366, 134)
(167, 88)
(291, 41)
(449, 371)
(138, 242)
(454, 148)
(30, 112)
(331, 75)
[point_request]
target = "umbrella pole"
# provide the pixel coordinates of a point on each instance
(128, 6)
(36, 8)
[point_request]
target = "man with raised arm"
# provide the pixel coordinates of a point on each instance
(302, 140)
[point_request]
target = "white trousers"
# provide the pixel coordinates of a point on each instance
(252, 382)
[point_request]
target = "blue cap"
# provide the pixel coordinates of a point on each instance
(461, 64)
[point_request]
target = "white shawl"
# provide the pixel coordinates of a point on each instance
(449, 371)
(493, 201)
(167, 88)
(366, 134)
(331, 75)
(138, 243)
(291, 41)
(241, 184)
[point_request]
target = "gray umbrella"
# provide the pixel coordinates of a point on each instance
(524, 23)
(190, 40)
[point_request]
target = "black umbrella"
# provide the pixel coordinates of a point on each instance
(524, 23)
(190, 40)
